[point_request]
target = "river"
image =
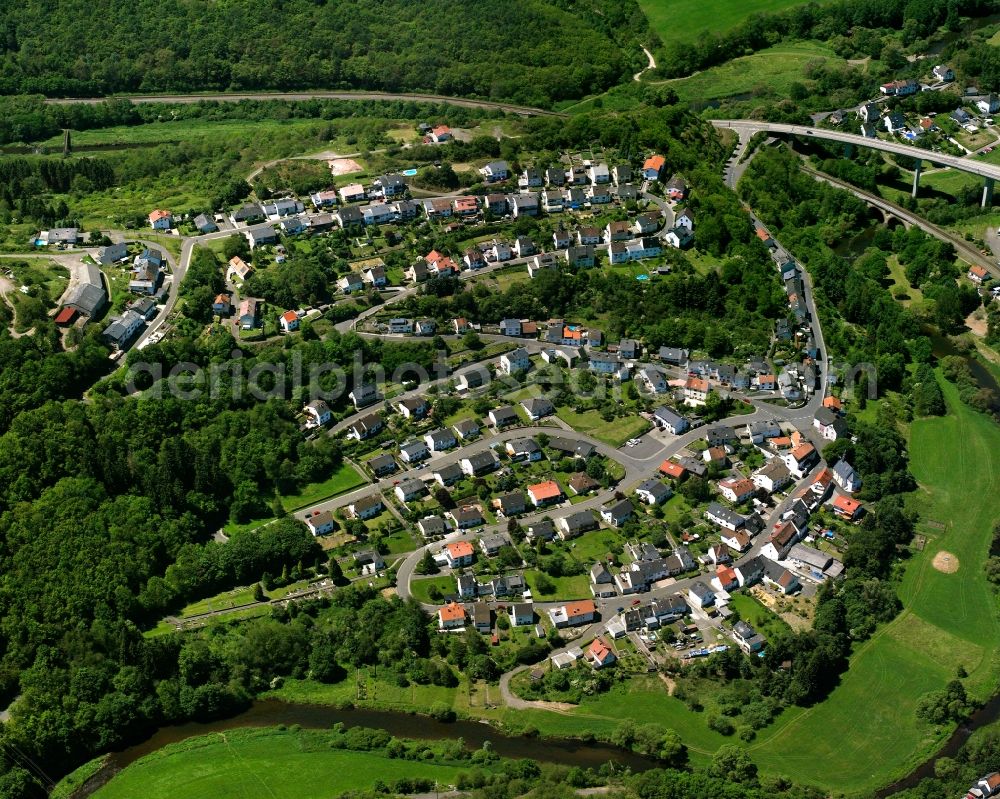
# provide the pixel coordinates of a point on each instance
(272, 712)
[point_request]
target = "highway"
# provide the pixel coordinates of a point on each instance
(751, 126)
(236, 97)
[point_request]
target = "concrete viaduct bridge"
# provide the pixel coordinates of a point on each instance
(988, 172)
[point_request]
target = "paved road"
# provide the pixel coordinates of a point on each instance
(980, 168)
(299, 96)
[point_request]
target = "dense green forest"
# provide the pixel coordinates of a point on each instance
(532, 51)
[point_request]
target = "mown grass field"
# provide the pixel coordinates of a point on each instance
(772, 71)
(949, 620)
(614, 433)
(279, 764)
(685, 20)
(343, 480)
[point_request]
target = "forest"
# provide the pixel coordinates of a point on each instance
(532, 52)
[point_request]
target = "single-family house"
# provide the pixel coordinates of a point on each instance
(724, 517)
(617, 514)
(523, 449)
(653, 492)
(466, 429)
(410, 489)
(248, 313)
(479, 463)
(161, 220)
(573, 614)
(845, 477)
(737, 490)
(382, 465)
(458, 554)
(503, 416)
(700, 595)
(576, 523)
(440, 440)
(451, 616)
(495, 171)
(695, 391)
(367, 507)
(320, 522)
(772, 476)
(847, 507)
(517, 360)
(537, 408)
(801, 459)
(677, 188)
(414, 451)
(413, 408)
(599, 654)
(366, 427)
(652, 167)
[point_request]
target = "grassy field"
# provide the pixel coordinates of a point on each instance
(279, 764)
(614, 433)
(421, 587)
(772, 70)
(685, 20)
(345, 479)
(575, 587)
(949, 620)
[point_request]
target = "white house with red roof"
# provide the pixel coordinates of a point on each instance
(289, 321)
(161, 220)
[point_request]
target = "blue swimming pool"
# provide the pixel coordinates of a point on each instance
(642, 277)
(409, 172)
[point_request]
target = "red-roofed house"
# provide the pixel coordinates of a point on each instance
(599, 654)
(440, 134)
(833, 403)
(847, 508)
(671, 469)
(695, 391)
(652, 167)
(451, 616)
(736, 490)
(978, 274)
(459, 553)
(727, 578)
(800, 460)
(573, 613)
(289, 321)
(161, 220)
(545, 493)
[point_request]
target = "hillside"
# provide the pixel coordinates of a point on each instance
(532, 51)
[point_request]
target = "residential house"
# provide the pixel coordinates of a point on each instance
(847, 508)
(580, 255)
(685, 219)
(617, 514)
(737, 490)
(554, 176)
(599, 654)
(473, 378)
(693, 465)
(414, 451)
(524, 246)
(671, 469)
(466, 516)
(780, 578)
(653, 492)
(320, 522)
(573, 614)
(762, 430)
(700, 595)
(479, 463)
(366, 427)
(522, 614)
(123, 329)
(571, 447)
(772, 476)
(599, 173)
(323, 199)
(238, 269)
(466, 429)
(517, 360)
(677, 188)
(440, 440)
(747, 638)
(367, 507)
(978, 274)
(576, 523)
(801, 459)
(524, 449)
(553, 201)
(425, 327)
(599, 195)
(247, 214)
(248, 313)
(161, 220)
(673, 355)
(989, 104)
(112, 254)
(561, 238)
(544, 530)
(492, 544)
(259, 235)
(222, 305)
(458, 554)
(588, 235)
(679, 237)
(617, 231)
(695, 391)
(495, 171)
(503, 416)
(736, 540)
(496, 204)
(364, 395)
(817, 564)
(716, 456)
(943, 73)
(410, 489)
(282, 208)
(318, 412)
(400, 325)
(622, 173)
(829, 424)
(537, 408)
(413, 408)
(652, 167)
(289, 321)
(646, 224)
(382, 465)
(451, 616)
(653, 379)
(782, 538)
(724, 517)
(353, 193)
(448, 475)
(582, 483)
